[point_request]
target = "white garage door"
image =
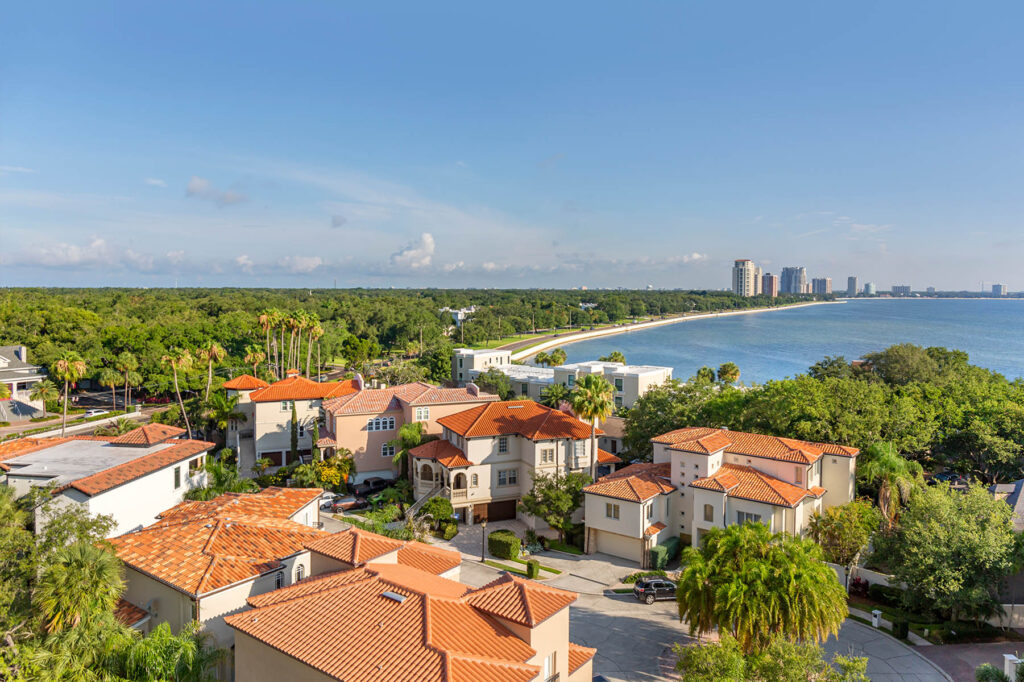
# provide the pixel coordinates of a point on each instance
(618, 545)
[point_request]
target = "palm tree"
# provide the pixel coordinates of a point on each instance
(542, 359)
(293, 326)
(254, 356)
(409, 436)
(45, 392)
(614, 356)
(211, 352)
(69, 368)
(222, 479)
(554, 395)
(266, 321)
(757, 585)
(127, 364)
(81, 581)
(110, 378)
(116, 428)
(345, 462)
(179, 360)
(162, 655)
(729, 373)
(557, 357)
(132, 379)
(894, 475)
(224, 412)
(592, 401)
(315, 332)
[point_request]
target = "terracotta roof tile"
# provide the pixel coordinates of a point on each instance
(149, 435)
(139, 467)
(377, 400)
(427, 558)
(750, 484)
(635, 483)
(273, 502)
(516, 417)
(605, 457)
(443, 452)
(424, 633)
(244, 382)
(706, 440)
(655, 528)
(354, 546)
(129, 614)
(578, 655)
(301, 388)
(521, 601)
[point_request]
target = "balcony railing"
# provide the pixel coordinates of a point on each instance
(460, 494)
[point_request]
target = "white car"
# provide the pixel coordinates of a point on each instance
(96, 413)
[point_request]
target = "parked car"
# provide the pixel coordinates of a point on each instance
(372, 485)
(650, 590)
(347, 503)
(96, 413)
(950, 477)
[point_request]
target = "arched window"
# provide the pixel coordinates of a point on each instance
(474, 480)
(279, 580)
(709, 512)
(460, 481)
(426, 473)
(300, 572)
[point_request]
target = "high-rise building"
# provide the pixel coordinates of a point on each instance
(758, 274)
(930, 291)
(869, 289)
(806, 288)
(744, 274)
(770, 284)
(792, 280)
(999, 290)
(901, 290)
(851, 286)
(821, 285)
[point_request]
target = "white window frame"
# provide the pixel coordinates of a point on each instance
(502, 445)
(547, 456)
(510, 476)
(618, 385)
(747, 517)
(474, 480)
(300, 572)
(649, 511)
(279, 580)
(799, 475)
(422, 414)
(387, 450)
(611, 510)
(177, 477)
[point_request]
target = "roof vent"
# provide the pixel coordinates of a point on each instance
(472, 389)
(394, 596)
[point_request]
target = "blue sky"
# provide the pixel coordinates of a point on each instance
(525, 144)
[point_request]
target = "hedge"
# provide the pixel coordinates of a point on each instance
(504, 544)
(900, 628)
(449, 529)
(664, 553)
(884, 594)
(633, 577)
(532, 569)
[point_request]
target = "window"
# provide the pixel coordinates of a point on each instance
(380, 424)
(302, 430)
(286, 405)
(618, 401)
(508, 477)
(649, 511)
(387, 450)
(177, 477)
(817, 469)
(550, 671)
(422, 414)
(474, 480)
(799, 475)
(572, 380)
(525, 389)
(547, 456)
(460, 363)
(300, 572)
(611, 510)
(279, 580)
(618, 384)
(747, 517)
(709, 512)
(503, 444)
(579, 450)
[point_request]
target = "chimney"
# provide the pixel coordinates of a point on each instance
(360, 384)
(472, 389)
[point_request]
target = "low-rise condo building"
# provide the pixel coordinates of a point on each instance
(20, 376)
(132, 477)
(703, 478)
(487, 455)
(628, 381)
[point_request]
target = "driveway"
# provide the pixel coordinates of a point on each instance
(960, 660)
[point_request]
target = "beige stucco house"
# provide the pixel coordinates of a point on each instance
(704, 478)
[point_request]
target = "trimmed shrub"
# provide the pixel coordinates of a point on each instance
(884, 594)
(532, 569)
(504, 544)
(449, 529)
(439, 508)
(664, 553)
(633, 577)
(900, 628)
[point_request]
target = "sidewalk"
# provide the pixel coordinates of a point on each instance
(913, 638)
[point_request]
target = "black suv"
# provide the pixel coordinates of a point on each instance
(650, 590)
(372, 485)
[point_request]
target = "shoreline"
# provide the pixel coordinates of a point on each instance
(576, 337)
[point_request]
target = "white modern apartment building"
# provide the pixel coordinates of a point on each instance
(704, 478)
(628, 381)
(20, 376)
(746, 278)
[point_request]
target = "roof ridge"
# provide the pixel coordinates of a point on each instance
(526, 603)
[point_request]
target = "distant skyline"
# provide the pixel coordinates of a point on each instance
(548, 145)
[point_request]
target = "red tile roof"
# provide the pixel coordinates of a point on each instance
(149, 435)
(377, 400)
(129, 614)
(357, 547)
(273, 502)
(520, 601)
(427, 558)
(443, 452)
(655, 528)
(245, 382)
(636, 483)
(138, 467)
(516, 417)
(605, 457)
(578, 655)
(388, 622)
(301, 388)
(707, 440)
(750, 484)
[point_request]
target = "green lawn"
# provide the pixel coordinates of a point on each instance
(505, 567)
(562, 547)
(508, 339)
(542, 566)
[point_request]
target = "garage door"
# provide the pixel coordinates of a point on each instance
(618, 545)
(501, 511)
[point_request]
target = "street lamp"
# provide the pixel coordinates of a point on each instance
(483, 540)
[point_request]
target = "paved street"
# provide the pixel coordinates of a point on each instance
(888, 659)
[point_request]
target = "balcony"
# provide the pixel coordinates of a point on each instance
(459, 494)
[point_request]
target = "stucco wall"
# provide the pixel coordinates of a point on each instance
(135, 504)
(839, 479)
(166, 604)
(550, 636)
(257, 662)
(273, 425)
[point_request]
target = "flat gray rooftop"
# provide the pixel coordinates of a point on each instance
(75, 459)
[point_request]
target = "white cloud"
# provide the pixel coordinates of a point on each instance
(244, 263)
(97, 253)
(201, 188)
(155, 182)
(16, 169)
(175, 257)
(300, 264)
(416, 254)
